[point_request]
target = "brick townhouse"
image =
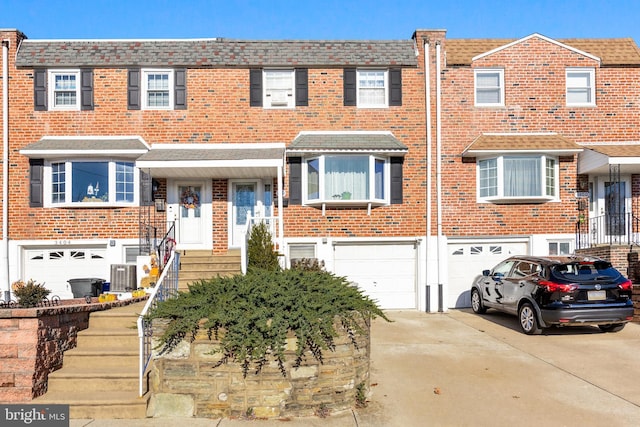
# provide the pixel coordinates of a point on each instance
(108, 139)
(537, 137)
(324, 138)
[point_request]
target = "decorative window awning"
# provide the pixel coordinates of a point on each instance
(489, 144)
(382, 142)
(60, 147)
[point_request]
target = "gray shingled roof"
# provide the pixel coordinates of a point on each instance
(348, 141)
(83, 144)
(195, 154)
(215, 53)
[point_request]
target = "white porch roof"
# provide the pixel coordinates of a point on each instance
(248, 160)
(596, 158)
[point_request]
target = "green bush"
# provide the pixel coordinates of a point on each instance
(29, 294)
(256, 311)
(260, 251)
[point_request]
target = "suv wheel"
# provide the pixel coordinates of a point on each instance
(476, 302)
(616, 327)
(528, 319)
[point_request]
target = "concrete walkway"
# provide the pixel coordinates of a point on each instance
(462, 369)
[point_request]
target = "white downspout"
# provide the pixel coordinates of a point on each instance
(427, 81)
(5, 167)
(280, 212)
(442, 297)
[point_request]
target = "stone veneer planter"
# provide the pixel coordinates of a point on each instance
(33, 342)
(186, 383)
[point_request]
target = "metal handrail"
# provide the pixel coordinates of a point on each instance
(610, 229)
(165, 288)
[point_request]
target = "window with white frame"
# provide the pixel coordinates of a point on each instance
(87, 182)
(489, 87)
(64, 89)
(559, 248)
(581, 89)
(279, 88)
(157, 89)
(350, 178)
(372, 88)
(530, 177)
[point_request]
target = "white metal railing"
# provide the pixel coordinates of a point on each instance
(272, 224)
(165, 288)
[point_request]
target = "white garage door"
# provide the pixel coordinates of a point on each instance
(55, 266)
(384, 272)
(467, 260)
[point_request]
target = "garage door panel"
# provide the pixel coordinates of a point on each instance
(54, 267)
(468, 260)
(385, 273)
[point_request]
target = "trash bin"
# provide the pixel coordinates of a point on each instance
(88, 286)
(106, 286)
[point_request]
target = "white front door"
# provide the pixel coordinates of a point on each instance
(244, 203)
(190, 208)
(613, 203)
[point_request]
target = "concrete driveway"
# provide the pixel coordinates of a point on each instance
(459, 368)
(462, 369)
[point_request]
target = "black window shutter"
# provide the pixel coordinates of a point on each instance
(86, 89)
(302, 87)
(40, 89)
(146, 189)
(180, 98)
(395, 87)
(295, 180)
(36, 183)
(255, 87)
(350, 87)
(133, 89)
(396, 180)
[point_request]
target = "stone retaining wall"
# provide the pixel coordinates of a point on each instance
(186, 383)
(33, 342)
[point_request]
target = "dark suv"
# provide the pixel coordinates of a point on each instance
(561, 291)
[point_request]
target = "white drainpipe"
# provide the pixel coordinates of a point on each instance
(5, 167)
(427, 83)
(441, 256)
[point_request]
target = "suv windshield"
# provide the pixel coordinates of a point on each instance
(585, 271)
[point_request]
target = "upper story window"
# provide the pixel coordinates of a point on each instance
(373, 88)
(518, 178)
(279, 88)
(88, 182)
(489, 87)
(157, 89)
(63, 89)
(347, 178)
(581, 89)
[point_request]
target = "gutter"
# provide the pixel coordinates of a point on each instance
(427, 73)
(5, 168)
(441, 256)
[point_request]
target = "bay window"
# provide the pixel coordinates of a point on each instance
(517, 178)
(350, 178)
(82, 182)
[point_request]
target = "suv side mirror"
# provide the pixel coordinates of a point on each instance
(486, 273)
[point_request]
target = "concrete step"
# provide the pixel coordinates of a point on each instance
(117, 319)
(93, 381)
(78, 358)
(100, 405)
(99, 339)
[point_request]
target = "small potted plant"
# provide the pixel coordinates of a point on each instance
(29, 294)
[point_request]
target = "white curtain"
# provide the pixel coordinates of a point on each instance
(346, 177)
(522, 177)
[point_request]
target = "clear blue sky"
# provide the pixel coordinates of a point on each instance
(326, 19)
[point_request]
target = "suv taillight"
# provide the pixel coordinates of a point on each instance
(626, 285)
(557, 287)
